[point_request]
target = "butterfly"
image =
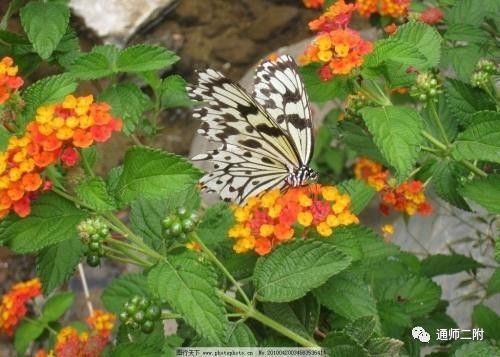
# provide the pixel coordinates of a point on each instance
(266, 138)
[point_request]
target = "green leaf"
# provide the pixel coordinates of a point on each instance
(361, 194)
(52, 220)
(440, 264)
(174, 93)
(46, 91)
(393, 318)
(485, 192)
(416, 295)
(293, 269)
(423, 37)
(465, 32)
(127, 102)
(26, 333)
(384, 347)
(135, 349)
(480, 140)
(56, 306)
(321, 91)
(284, 314)
(463, 60)
(348, 295)
(93, 193)
(142, 58)
(4, 139)
(56, 263)
(397, 133)
(487, 319)
(396, 51)
(150, 173)
(466, 12)
(146, 215)
(45, 24)
(465, 100)
(92, 65)
(360, 140)
(477, 349)
(189, 286)
(339, 344)
(240, 335)
(445, 180)
(217, 220)
(494, 283)
(122, 289)
(361, 329)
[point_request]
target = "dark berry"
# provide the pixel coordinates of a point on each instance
(148, 326)
(93, 260)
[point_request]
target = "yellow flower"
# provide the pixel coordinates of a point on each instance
(329, 193)
(266, 230)
(324, 229)
(64, 133)
(274, 211)
(388, 229)
(325, 56)
(332, 220)
(269, 198)
(342, 202)
(304, 200)
(241, 214)
(305, 218)
(324, 42)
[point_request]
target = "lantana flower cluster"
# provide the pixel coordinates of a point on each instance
(274, 217)
(9, 80)
(14, 302)
(408, 197)
(55, 134)
(72, 343)
(313, 4)
(337, 48)
(392, 8)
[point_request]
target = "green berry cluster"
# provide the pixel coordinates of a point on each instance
(426, 87)
(140, 313)
(354, 103)
(92, 232)
(481, 76)
(179, 224)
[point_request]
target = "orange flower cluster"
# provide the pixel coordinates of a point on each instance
(393, 8)
(431, 16)
(408, 197)
(9, 81)
(337, 48)
(13, 306)
(272, 218)
(313, 4)
(57, 130)
(102, 322)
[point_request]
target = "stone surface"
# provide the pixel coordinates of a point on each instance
(273, 21)
(235, 50)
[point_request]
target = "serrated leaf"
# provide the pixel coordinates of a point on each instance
(494, 283)
(393, 318)
(93, 193)
(465, 32)
(463, 59)
(321, 91)
(384, 347)
(416, 295)
(284, 314)
(217, 220)
(426, 39)
(121, 289)
(240, 335)
(46, 91)
(360, 140)
(174, 93)
(339, 344)
(127, 102)
(477, 349)
(361, 194)
(56, 263)
(347, 295)
(480, 140)
(466, 12)
(445, 180)
(397, 133)
(395, 50)
(487, 319)
(146, 215)
(4, 139)
(135, 349)
(361, 329)
(189, 286)
(439, 264)
(52, 220)
(142, 58)
(26, 332)
(43, 34)
(56, 306)
(293, 269)
(91, 66)
(150, 173)
(484, 191)
(465, 100)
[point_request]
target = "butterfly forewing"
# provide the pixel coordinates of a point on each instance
(279, 88)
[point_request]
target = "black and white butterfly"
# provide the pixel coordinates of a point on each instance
(266, 138)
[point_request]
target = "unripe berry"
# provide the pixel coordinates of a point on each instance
(153, 313)
(139, 316)
(93, 260)
(147, 326)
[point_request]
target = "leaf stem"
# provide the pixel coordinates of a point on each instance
(44, 324)
(133, 259)
(166, 315)
(473, 168)
(86, 166)
(251, 312)
(435, 141)
(221, 266)
(435, 116)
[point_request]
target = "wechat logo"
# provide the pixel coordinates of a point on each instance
(420, 334)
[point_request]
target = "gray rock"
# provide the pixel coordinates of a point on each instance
(272, 22)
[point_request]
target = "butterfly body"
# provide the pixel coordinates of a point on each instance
(266, 138)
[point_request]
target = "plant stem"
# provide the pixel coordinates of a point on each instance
(128, 255)
(125, 245)
(256, 315)
(429, 149)
(474, 168)
(86, 166)
(44, 324)
(169, 315)
(433, 140)
(126, 260)
(435, 116)
(221, 266)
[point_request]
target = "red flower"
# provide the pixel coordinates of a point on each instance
(431, 15)
(70, 157)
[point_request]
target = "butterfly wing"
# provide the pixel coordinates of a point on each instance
(256, 154)
(279, 88)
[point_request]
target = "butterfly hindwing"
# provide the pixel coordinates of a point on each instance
(279, 88)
